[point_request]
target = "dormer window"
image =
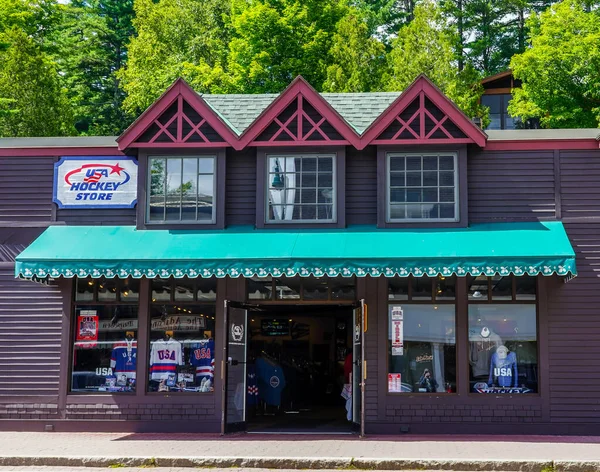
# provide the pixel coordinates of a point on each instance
(422, 187)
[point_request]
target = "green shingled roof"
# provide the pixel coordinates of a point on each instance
(358, 109)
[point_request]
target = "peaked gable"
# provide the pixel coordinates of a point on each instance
(299, 116)
(180, 118)
(422, 114)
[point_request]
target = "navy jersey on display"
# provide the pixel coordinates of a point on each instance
(202, 356)
(123, 358)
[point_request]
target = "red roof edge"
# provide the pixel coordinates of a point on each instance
(177, 88)
(437, 97)
(298, 86)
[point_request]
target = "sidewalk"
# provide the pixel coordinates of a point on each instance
(458, 453)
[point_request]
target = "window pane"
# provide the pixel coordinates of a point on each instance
(130, 290)
(421, 348)
(501, 288)
(182, 348)
(445, 288)
(429, 181)
(297, 185)
(287, 289)
(206, 193)
(189, 189)
(206, 289)
(206, 165)
(174, 188)
(158, 168)
(184, 290)
(478, 288)
(315, 288)
(343, 288)
(107, 290)
(503, 349)
(85, 289)
(421, 288)
(104, 349)
(397, 163)
(161, 290)
(260, 288)
(398, 288)
(526, 287)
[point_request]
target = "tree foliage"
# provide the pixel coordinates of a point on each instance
(35, 104)
(561, 70)
(430, 41)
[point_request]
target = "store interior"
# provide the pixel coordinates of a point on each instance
(299, 359)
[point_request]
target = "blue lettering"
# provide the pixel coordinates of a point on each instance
(75, 186)
(78, 197)
(109, 196)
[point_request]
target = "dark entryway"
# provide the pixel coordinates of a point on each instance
(298, 359)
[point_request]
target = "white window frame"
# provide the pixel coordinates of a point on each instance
(334, 183)
(213, 219)
(388, 218)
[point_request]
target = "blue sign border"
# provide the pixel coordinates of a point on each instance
(63, 159)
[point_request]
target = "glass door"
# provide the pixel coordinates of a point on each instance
(234, 375)
(358, 368)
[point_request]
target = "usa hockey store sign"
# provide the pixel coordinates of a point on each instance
(95, 182)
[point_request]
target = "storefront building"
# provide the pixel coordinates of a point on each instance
(301, 262)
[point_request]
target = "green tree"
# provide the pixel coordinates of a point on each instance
(425, 46)
(561, 70)
(386, 17)
(359, 59)
(276, 40)
(30, 85)
(92, 44)
(175, 39)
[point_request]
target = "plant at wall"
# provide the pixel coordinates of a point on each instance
(30, 85)
(561, 70)
(425, 46)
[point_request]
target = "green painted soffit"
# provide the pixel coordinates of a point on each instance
(481, 249)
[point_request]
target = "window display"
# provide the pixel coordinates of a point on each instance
(503, 348)
(182, 348)
(105, 349)
(421, 348)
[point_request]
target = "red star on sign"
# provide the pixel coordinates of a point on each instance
(117, 169)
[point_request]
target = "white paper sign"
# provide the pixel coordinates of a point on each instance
(95, 182)
(397, 325)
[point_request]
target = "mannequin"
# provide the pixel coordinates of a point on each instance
(482, 345)
(503, 368)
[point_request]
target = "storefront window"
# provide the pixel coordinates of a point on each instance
(182, 348)
(182, 330)
(421, 348)
(503, 348)
(105, 335)
(301, 288)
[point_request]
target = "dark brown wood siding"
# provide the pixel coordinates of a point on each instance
(240, 191)
(515, 186)
(26, 189)
(574, 333)
(30, 336)
(118, 216)
(361, 186)
(580, 184)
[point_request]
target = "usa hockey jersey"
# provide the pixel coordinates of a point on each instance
(123, 358)
(504, 371)
(202, 356)
(165, 356)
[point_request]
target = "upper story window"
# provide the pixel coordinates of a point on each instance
(181, 190)
(498, 105)
(301, 188)
(422, 187)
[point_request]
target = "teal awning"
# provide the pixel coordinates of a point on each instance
(122, 251)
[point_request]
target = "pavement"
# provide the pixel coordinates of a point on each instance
(407, 452)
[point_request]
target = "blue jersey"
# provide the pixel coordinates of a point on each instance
(202, 356)
(270, 380)
(123, 358)
(504, 371)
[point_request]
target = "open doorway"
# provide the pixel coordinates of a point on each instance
(299, 357)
